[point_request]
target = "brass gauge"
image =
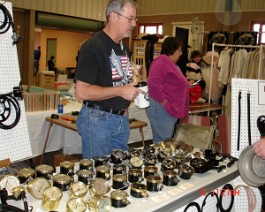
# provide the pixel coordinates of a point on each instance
(45, 171)
(103, 171)
(9, 182)
(138, 190)
(120, 182)
(136, 162)
(67, 167)
(185, 171)
(37, 186)
(100, 203)
(150, 170)
(78, 189)
(62, 181)
(119, 199)
(85, 175)
(17, 191)
(154, 183)
(117, 156)
(76, 205)
(85, 164)
(99, 186)
(25, 174)
(51, 198)
(168, 164)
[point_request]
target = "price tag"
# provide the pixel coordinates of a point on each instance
(175, 192)
(186, 186)
(160, 198)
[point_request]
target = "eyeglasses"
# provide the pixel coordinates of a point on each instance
(130, 19)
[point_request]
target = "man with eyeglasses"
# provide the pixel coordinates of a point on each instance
(104, 83)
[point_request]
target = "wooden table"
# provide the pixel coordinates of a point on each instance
(199, 107)
(134, 123)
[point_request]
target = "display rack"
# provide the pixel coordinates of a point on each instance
(245, 86)
(234, 46)
(15, 143)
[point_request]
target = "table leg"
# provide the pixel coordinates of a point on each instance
(45, 143)
(142, 134)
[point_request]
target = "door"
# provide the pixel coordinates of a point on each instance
(183, 35)
(51, 49)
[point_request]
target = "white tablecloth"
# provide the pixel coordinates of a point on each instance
(67, 139)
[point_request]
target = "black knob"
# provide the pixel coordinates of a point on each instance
(261, 125)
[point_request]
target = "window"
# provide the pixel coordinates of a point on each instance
(259, 26)
(151, 28)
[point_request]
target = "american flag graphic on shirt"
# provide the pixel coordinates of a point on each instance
(121, 69)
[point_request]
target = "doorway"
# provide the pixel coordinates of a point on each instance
(51, 49)
(183, 35)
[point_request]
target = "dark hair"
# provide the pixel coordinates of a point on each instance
(170, 45)
(195, 53)
(52, 57)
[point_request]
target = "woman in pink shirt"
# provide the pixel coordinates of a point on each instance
(168, 91)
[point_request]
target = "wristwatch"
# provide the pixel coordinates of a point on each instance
(76, 205)
(37, 186)
(51, 198)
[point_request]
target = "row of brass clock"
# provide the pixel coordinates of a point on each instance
(92, 184)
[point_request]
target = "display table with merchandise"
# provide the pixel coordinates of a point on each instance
(67, 139)
(170, 198)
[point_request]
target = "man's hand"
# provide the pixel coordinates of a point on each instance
(259, 147)
(129, 92)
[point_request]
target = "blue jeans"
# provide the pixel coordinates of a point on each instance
(102, 132)
(162, 123)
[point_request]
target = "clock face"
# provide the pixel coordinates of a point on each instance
(53, 193)
(76, 204)
(43, 168)
(136, 162)
(104, 204)
(37, 186)
(99, 186)
(78, 188)
(9, 182)
(118, 153)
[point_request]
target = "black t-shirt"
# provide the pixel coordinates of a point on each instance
(103, 62)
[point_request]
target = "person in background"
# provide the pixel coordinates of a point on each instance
(37, 54)
(103, 83)
(197, 84)
(168, 91)
(51, 66)
(196, 57)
